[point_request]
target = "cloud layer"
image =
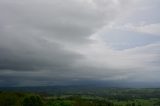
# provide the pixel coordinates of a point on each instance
(73, 41)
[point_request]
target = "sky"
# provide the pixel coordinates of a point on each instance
(67, 42)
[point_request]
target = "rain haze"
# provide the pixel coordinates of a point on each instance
(79, 42)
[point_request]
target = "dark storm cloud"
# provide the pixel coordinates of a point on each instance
(48, 42)
(33, 33)
(33, 54)
(25, 24)
(21, 45)
(33, 36)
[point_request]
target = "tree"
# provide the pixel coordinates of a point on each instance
(9, 99)
(32, 100)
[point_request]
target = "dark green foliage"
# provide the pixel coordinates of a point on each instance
(32, 100)
(59, 103)
(10, 99)
(157, 103)
(19, 99)
(133, 104)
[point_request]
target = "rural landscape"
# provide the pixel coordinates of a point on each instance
(79, 53)
(80, 96)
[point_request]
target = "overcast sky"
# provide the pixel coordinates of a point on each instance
(61, 42)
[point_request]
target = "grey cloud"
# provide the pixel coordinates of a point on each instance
(48, 42)
(64, 20)
(19, 55)
(24, 24)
